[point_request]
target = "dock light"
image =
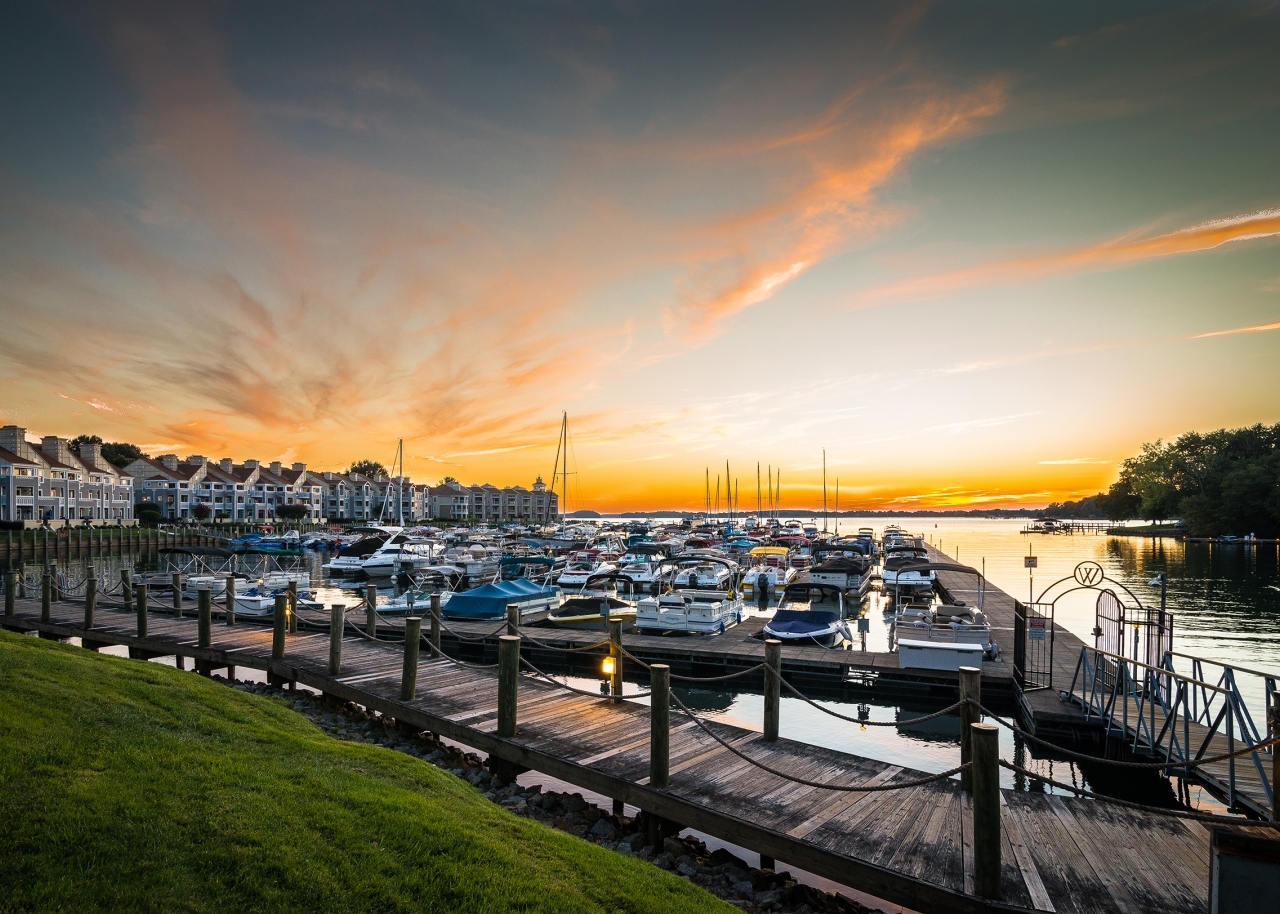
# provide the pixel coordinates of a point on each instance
(606, 666)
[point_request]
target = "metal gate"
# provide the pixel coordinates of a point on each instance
(1144, 634)
(1033, 645)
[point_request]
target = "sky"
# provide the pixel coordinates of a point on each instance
(978, 253)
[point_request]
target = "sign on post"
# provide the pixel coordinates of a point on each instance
(1031, 561)
(1035, 629)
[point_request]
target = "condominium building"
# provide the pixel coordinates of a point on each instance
(50, 482)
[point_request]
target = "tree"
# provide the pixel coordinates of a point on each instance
(147, 513)
(368, 468)
(201, 512)
(116, 453)
(79, 440)
(447, 480)
(291, 512)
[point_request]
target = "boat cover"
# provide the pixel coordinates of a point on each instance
(801, 621)
(490, 601)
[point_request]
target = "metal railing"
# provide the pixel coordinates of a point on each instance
(1153, 709)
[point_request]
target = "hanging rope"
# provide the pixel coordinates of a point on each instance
(566, 686)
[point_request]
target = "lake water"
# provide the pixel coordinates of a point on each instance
(1225, 601)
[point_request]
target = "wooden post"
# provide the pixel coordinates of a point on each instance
(46, 594)
(435, 624)
(204, 617)
(175, 581)
(293, 607)
(508, 681)
(278, 631)
(513, 619)
(772, 688)
(412, 641)
(229, 596)
(615, 651)
(126, 588)
(337, 622)
(53, 575)
(985, 740)
(141, 593)
(90, 596)
(1275, 755)
(370, 602)
(10, 591)
(659, 725)
(970, 688)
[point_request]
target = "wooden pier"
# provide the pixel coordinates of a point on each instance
(913, 846)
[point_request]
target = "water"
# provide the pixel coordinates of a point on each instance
(1225, 600)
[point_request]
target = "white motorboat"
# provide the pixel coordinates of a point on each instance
(399, 553)
(350, 559)
(583, 566)
(944, 624)
(703, 573)
(261, 601)
(698, 612)
(810, 614)
(771, 567)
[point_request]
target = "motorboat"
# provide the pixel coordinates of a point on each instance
(350, 559)
(260, 601)
(771, 567)
(476, 561)
(533, 567)
(583, 566)
(490, 601)
(702, 572)
(810, 614)
(398, 553)
(591, 611)
(844, 567)
(695, 612)
(944, 624)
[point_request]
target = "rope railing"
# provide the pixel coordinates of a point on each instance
(727, 676)
(950, 709)
(1127, 804)
(845, 788)
(564, 685)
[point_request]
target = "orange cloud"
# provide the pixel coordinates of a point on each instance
(1115, 252)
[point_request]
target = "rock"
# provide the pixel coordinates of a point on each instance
(635, 841)
(721, 857)
(687, 871)
(742, 889)
(575, 803)
(773, 896)
(673, 846)
(625, 849)
(591, 814)
(663, 860)
(603, 828)
(515, 803)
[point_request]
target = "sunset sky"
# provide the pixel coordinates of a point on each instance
(979, 253)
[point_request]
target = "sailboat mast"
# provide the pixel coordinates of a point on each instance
(706, 511)
(717, 494)
(777, 501)
(564, 433)
(728, 492)
(824, 490)
(757, 490)
(556, 471)
(400, 485)
(837, 506)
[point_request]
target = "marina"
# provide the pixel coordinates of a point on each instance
(913, 845)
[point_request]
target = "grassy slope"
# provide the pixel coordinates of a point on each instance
(131, 786)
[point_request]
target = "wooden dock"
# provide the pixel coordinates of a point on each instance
(912, 846)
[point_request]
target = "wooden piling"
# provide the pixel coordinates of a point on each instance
(337, 623)
(659, 725)
(435, 624)
(508, 682)
(126, 589)
(615, 651)
(229, 597)
(412, 641)
(293, 607)
(90, 596)
(772, 688)
(985, 743)
(281, 623)
(175, 581)
(10, 591)
(141, 593)
(204, 617)
(46, 594)
(513, 619)
(971, 689)
(370, 616)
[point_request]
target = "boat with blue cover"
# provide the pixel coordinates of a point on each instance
(491, 601)
(810, 614)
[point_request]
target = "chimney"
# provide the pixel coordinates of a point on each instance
(275, 467)
(13, 438)
(197, 461)
(56, 448)
(170, 461)
(300, 468)
(330, 476)
(226, 464)
(251, 464)
(91, 455)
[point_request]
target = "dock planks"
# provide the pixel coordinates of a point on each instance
(911, 846)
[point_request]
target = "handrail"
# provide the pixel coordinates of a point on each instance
(1162, 671)
(1225, 666)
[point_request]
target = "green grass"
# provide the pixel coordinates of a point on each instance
(130, 786)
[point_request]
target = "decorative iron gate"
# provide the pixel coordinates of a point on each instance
(1033, 645)
(1142, 633)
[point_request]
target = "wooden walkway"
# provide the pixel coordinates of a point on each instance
(911, 846)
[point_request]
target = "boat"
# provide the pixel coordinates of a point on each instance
(919, 624)
(797, 621)
(584, 565)
(694, 612)
(701, 571)
(398, 553)
(591, 611)
(842, 564)
(533, 567)
(260, 600)
(771, 567)
(646, 566)
(350, 559)
(490, 601)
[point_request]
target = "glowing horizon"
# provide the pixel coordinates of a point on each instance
(979, 260)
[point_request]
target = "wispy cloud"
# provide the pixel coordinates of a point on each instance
(1255, 328)
(1074, 461)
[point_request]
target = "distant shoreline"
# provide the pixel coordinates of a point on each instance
(994, 514)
